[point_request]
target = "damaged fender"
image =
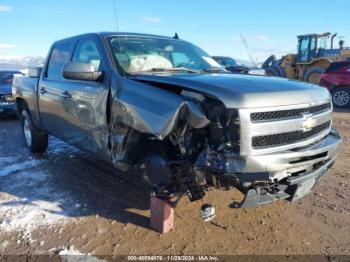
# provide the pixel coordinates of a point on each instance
(139, 109)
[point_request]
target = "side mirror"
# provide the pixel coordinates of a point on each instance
(34, 71)
(81, 71)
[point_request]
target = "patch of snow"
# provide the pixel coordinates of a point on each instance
(70, 251)
(70, 254)
(9, 159)
(4, 244)
(27, 201)
(19, 214)
(7, 170)
(58, 147)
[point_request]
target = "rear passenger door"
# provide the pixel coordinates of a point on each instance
(50, 88)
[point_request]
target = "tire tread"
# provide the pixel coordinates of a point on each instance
(40, 139)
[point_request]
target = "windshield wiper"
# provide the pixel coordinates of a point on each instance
(175, 69)
(214, 70)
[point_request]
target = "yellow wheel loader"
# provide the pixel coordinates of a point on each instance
(312, 59)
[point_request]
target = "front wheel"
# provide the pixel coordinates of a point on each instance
(341, 97)
(313, 75)
(35, 139)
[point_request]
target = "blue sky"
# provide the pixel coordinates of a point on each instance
(28, 27)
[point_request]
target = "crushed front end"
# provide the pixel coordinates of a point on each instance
(267, 153)
(186, 142)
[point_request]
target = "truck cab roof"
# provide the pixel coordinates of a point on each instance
(108, 34)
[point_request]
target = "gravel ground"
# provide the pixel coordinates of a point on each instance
(67, 202)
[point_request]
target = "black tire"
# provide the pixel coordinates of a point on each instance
(272, 71)
(35, 139)
(312, 73)
(341, 97)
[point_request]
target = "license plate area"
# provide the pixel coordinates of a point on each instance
(305, 188)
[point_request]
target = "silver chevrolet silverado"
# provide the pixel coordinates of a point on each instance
(164, 108)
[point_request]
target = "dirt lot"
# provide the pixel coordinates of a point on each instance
(67, 201)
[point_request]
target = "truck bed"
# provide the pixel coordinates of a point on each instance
(25, 87)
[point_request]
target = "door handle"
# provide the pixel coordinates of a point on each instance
(43, 90)
(66, 94)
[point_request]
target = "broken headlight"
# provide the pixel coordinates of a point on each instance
(232, 128)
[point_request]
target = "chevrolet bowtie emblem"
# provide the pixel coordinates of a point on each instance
(308, 123)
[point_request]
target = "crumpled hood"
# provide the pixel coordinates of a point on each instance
(244, 91)
(5, 89)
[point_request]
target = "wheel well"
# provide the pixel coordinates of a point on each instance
(21, 105)
(324, 63)
(339, 87)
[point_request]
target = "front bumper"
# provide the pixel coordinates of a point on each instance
(293, 173)
(283, 164)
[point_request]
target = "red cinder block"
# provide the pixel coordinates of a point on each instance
(162, 215)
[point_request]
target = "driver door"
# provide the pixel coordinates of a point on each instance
(84, 103)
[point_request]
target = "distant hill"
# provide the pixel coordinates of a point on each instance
(21, 63)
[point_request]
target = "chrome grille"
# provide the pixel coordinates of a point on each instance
(274, 129)
(288, 114)
(287, 138)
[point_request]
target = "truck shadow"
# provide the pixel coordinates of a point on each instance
(67, 182)
(341, 110)
(8, 117)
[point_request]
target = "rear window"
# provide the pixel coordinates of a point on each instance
(337, 66)
(59, 57)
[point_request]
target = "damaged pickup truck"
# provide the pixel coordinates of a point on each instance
(164, 107)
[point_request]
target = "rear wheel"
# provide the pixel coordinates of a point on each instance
(35, 139)
(272, 71)
(341, 97)
(313, 75)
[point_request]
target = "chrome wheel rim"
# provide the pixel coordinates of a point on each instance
(27, 132)
(341, 98)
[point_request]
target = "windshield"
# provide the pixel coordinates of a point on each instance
(323, 41)
(135, 54)
(228, 61)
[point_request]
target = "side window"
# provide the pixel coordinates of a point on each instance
(59, 57)
(180, 59)
(304, 50)
(86, 52)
